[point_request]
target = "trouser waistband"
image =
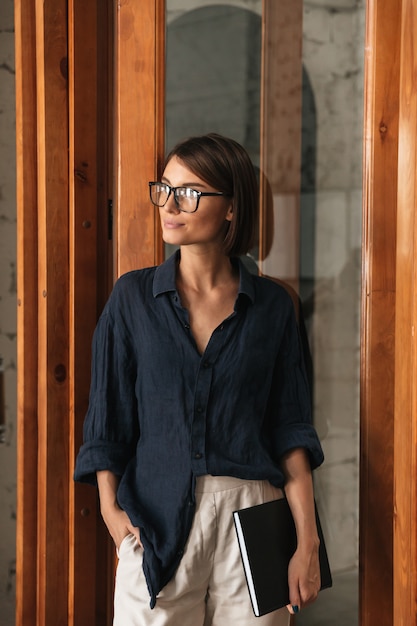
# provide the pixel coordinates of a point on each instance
(211, 484)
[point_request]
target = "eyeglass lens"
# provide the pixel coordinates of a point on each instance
(185, 197)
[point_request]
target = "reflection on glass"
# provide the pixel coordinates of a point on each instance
(222, 78)
(213, 73)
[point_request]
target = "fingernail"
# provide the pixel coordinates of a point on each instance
(295, 608)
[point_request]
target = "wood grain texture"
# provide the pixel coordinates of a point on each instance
(139, 129)
(405, 439)
(378, 312)
(53, 312)
(27, 321)
(86, 253)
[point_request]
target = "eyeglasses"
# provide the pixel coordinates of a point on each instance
(186, 199)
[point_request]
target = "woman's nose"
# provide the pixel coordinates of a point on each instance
(170, 205)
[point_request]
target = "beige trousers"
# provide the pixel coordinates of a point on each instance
(209, 587)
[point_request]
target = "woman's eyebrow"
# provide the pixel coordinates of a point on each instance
(164, 179)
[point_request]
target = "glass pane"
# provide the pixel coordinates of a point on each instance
(213, 72)
(309, 145)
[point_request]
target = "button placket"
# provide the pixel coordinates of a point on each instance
(201, 398)
(198, 434)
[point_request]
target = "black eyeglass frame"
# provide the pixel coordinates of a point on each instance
(200, 194)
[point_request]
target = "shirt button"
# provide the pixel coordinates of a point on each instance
(199, 409)
(207, 364)
(198, 455)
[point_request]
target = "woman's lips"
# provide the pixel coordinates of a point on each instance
(171, 225)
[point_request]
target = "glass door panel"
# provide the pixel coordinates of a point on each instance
(284, 78)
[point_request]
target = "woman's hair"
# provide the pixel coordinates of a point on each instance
(225, 165)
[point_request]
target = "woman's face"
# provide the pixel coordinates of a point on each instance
(208, 225)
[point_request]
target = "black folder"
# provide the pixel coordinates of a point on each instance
(267, 541)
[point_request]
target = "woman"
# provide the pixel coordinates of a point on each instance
(199, 406)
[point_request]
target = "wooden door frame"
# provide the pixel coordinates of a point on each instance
(63, 251)
(139, 130)
(388, 503)
(27, 288)
(54, 522)
(405, 399)
(378, 313)
(90, 278)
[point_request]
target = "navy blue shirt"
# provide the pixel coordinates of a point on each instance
(161, 414)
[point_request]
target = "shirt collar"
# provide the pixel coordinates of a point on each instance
(164, 280)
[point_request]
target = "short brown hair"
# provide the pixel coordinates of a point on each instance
(224, 164)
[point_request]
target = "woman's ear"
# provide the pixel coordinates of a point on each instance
(229, 214)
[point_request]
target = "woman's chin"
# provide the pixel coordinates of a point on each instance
(170, 239)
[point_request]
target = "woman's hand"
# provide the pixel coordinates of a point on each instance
(304, 568)
(116, 520)
(119, 525)
(303, 578)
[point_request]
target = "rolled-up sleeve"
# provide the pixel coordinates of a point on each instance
(290, 400)
(111, 427)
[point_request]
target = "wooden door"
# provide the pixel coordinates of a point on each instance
(69, 119)
(389, 417)
(60, 212)
(67, 176)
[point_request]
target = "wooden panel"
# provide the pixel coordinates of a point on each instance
(405, 441)
(139, 131)
(83, 230)
(26, 148)
(53, 307)
(64, 275)
(104, 156)
(281, 104)
(378, 312)
(105, 553)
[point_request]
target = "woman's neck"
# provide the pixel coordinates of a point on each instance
(204, 269)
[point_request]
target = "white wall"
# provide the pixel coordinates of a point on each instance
(333, 49)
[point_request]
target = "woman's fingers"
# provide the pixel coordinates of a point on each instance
(303, 581)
